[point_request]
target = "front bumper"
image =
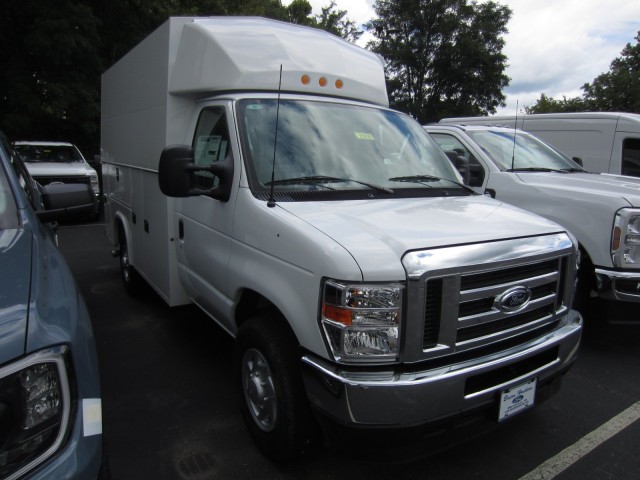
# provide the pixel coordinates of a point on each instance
(623, 286)
(363, 398)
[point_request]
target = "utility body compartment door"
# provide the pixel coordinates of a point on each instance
(204, 225)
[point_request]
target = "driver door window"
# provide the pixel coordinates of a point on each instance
(210, 144)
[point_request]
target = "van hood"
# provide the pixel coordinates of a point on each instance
(378, 233)
(58, 169)
(627, 188)
(15, 282)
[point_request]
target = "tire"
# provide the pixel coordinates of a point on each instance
(272, 397)
(131, 279)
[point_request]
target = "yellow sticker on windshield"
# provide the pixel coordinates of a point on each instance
(363, 136)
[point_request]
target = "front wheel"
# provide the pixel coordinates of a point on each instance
(130, 277)
(273, 402)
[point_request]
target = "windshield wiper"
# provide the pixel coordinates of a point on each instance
(540, 169)
(572, 169)
(428, 178)
(326, 179)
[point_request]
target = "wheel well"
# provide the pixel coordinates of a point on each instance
(251, 303)
(585, 260)
(120, 232)
(586, 272)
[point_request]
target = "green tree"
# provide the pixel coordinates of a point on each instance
(49, 83)
(618, 89)
(443, 57)
(299, 12)
(547, 104)
(337, 22)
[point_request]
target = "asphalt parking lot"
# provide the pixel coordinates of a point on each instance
(169, 410)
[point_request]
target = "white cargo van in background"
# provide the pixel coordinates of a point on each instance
(605, 142)
(252, 167)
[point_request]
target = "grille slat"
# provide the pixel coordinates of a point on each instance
(497, 277)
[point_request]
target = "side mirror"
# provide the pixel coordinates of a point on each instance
(578, 160)
(176, 174)
(66, 200)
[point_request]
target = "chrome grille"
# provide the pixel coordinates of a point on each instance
(460, 290)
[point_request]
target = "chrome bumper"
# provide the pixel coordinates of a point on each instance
(356, 397)
(624, 286)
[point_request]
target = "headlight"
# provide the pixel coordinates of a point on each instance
(94, 183)
(625, 241)
(362, 321)
(34, 411)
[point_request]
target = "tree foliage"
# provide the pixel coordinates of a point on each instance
(443, 57)
(336, 22)
(547, 104)
(617, 90)
(49, 83)
(54, 52)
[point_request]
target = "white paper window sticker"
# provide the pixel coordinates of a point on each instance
(92, 416)
(208, 149)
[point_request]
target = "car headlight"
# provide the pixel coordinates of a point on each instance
(625, 241)
(94, 183)
(362, 322)
(34, 410)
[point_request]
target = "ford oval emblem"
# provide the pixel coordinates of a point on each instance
(513, 300)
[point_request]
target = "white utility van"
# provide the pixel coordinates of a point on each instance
(604, 142)
(602, 211)
(252, 167)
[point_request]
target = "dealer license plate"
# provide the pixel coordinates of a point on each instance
(517, 399)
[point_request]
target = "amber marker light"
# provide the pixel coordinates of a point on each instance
(339, 84)
(305, 79)
(615, 241)
(322, 82)
(337, 314)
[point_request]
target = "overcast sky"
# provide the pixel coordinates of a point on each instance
(553, 46)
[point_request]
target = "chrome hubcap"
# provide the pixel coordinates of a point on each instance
(259, 392)
(124, 263)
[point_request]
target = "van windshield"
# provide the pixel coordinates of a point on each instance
(526, 153)
(332, 147)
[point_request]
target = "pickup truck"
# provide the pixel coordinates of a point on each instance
(601, 210)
